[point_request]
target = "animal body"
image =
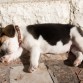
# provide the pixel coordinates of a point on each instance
(41, 38)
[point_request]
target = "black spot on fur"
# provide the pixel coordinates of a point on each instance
(52, 33)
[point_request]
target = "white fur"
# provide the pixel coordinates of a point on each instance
(36, 47)
(57, 49)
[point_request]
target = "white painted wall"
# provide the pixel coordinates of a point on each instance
(25, 12)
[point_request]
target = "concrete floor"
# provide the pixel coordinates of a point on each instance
(52, 69)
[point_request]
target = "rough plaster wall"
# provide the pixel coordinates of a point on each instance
(25, 12)
(78, 12)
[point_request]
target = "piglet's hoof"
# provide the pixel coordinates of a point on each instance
(32, 69)
(77, 62)
(5, 59)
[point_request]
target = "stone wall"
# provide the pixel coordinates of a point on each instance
(25, 12)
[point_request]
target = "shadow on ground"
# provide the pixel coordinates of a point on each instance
(70, 60)
(25, 59)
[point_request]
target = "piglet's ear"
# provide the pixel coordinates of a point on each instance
(9, 31)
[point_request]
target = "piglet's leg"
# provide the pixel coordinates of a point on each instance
(12, 55)
(78, 54)
(34, 58)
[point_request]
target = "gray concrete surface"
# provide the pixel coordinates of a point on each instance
(57, 69)
(41, 75)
